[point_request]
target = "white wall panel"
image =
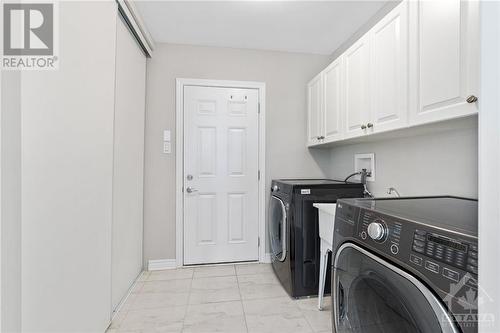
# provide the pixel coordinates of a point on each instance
(128, 167)
(67, 169)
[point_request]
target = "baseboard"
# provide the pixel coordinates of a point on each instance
(158, 265)
(267, 258)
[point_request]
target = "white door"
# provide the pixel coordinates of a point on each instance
(447, 63)
(332, 121)
(314, 110)
(389, 70)
(220, 174)
(357, 86)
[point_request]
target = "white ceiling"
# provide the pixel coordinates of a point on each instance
(318, 27)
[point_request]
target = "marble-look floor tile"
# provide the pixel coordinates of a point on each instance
(318, 320)
(214, 271)
(128, 302)
(214, 289)
(171, 274)
(246, 269)
(169, 319)
(167, 286)
(265, 285)
(159, 300)
(274, 315)
(215, 317)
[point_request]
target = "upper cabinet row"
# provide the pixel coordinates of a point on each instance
(419, 64)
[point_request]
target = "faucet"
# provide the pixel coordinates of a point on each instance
(364, 174)
(390, 190)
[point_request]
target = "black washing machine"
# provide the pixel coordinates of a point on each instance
(293, 228)
(405, 265)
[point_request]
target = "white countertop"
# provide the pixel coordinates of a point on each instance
(326, 207)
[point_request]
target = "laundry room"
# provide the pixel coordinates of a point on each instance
(249, 166)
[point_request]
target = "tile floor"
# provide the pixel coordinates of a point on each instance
(229, 298)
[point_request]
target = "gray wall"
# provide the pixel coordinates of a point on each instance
(363, 29)
(439, 163)
(431, 164)
(285, 75)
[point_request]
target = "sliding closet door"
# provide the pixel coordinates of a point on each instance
(128, 163)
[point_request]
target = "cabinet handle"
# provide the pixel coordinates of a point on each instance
(370, 125)
(471, 99)
(363, 127)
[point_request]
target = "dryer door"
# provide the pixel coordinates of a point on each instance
(277, 228)
(371, 295)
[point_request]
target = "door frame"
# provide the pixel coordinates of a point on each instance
(179, 162)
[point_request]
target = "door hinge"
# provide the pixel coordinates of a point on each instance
(258, 241)
(258, 108)
(258, 175)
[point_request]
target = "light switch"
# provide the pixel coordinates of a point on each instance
(166, 147)
(166, 135)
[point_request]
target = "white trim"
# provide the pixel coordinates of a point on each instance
(488, 165)
(179, 151)
(131, 15)
(158, 265)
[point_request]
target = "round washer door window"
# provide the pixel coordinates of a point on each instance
(371, 295)
(277, 228)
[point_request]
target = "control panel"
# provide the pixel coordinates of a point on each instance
(446, 250)
(384, 232)
(442, 257)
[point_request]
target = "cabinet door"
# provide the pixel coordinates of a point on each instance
(356, 81)
(314, 110)
(447, 65)
(389, 71)
(332, 120)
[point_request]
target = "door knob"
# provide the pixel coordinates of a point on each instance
(369, 125)
(363, 126)
(471, 99)
(189, 189)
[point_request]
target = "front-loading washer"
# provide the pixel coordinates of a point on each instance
(405, 265)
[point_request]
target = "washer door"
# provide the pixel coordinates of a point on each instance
(371, 295)
(277, 228)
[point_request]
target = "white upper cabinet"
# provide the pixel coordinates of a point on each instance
(357, 88)
(389, 71)
(332, 128)
(447, 66)
(419, 64)
(315, 110)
